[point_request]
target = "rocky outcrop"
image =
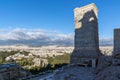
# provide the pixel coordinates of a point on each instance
(110, 73)
(103, 62)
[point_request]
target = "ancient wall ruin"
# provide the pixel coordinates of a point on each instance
(116, 41)
(86, 45)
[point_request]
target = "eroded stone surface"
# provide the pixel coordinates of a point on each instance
(116, 41)
(86, 34)
(76, 73)
(110, 73)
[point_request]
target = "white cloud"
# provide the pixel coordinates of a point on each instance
(40, 37)
(35, 37)
(106, 41)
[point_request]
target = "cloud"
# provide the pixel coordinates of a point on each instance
(106, 41)
(37, 37)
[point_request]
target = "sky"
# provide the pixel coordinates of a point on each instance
(34, 22)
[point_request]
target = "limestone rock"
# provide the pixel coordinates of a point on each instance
(103, 62)
(110, 73)
(116, 41)
(86, 34)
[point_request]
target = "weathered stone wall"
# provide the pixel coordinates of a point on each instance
(116, 41)
(86, 33)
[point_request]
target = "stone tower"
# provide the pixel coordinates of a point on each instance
(86, 45)
(116, 41)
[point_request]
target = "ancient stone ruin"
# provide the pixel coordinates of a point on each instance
(86, 48)
(116, 52)
(116, 41)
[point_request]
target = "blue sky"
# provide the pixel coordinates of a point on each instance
(54, 15)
